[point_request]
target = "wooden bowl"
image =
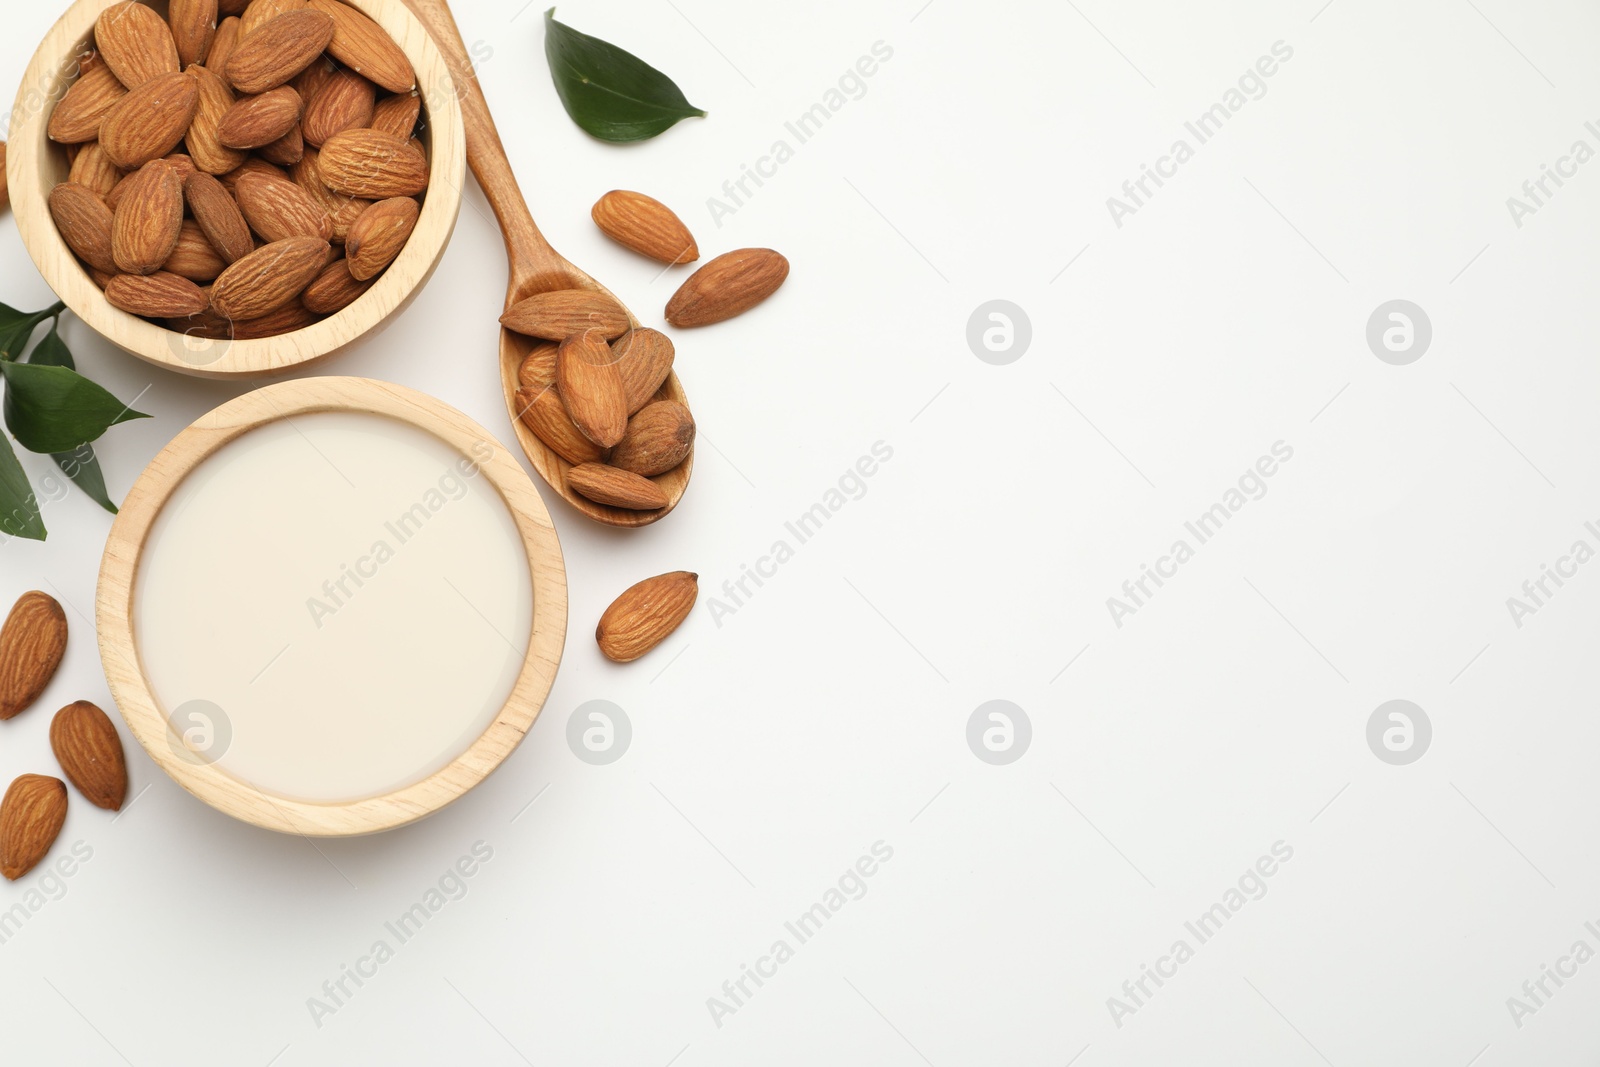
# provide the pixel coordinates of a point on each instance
(35, 165)
(120, 572)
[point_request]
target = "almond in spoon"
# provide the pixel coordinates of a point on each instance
(659, 438)
(557, 315)
(591, 388)
(605, 484)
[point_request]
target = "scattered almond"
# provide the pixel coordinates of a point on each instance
(659, 438)
(591, 388)
(619, 488)
(148, 219)
(379, 234)
(557, 315)
(646, 614)
(89, 750)
(644, 225)
(160, 295)
(31, 815)
(32, 642)
(732, 283)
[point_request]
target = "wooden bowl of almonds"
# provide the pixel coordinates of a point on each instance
(234, 188)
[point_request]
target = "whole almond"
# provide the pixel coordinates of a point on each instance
(644, 359)
(537, 370)
(342, 101)
(279, 49)
(591, 388)
(379, 234)
(732, 283)
(268, 278)
(218, 217)
(84, 222)
(644, 225)
(397, 115)
(286, 150)
(222, 43)
(194, 257)
(89, 750)
(78, 115)
(31, 815)
(559, 314)
(659, 438)
(194, 23)
(93, 169)
(645, 614)
(135, 43)
(342, 210)
(258, 13)
(543, 412)
(363, 46)
(372, 164)
(215, 100)
(158, 296)
(334, 289)
(290, 317)
(619, 488)
(32, 642)
(149, 121)
(259, 120)
(277, 208)
(148, 219)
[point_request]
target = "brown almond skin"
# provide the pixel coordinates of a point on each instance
(160, 295)
(591, 388)
(89, 750)
(258, 13)
(342, 210)
(728, 285)
(291, 317)
(252, 165)
(269, 278)
(644, 359)
(222, 42)
(659, 437)
(342, 101)
(84, 222)
(280, 48)
(31, 815)
(397, 115)
(77, 117)
(644, 225)
(135, 43)
(286, 150)
(32, 642)
(149, 121)
(254, 121)
(557, 315)
(93, 169)
(334, 289)
(277, 209)
(148, 219)
(379, 234)
(194, 257)
(542, 412)
(605, 484)
(372, 165)
(214, 99)
(193, 24)
(361, 45)
(218, 216)
(538, 368)
(646, 614)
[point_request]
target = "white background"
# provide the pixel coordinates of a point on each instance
(829, 712)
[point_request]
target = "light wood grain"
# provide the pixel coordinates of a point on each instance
(36, 164)
(535, 267)
(119, 575)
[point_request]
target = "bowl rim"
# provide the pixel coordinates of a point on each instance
(114, 607)
(47, 77)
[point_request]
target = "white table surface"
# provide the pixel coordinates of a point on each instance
(774, 746)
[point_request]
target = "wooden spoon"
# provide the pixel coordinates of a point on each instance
(535, 268)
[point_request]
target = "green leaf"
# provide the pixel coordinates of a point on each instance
(83, 467)
(17, 326)
(19, 509)
(611, 94)
(54, 409)
(52, 351)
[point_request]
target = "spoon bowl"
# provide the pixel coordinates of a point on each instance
(535, 268)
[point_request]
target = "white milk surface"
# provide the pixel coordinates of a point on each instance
(334, 606)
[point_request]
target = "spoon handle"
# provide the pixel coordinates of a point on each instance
(529, 253)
